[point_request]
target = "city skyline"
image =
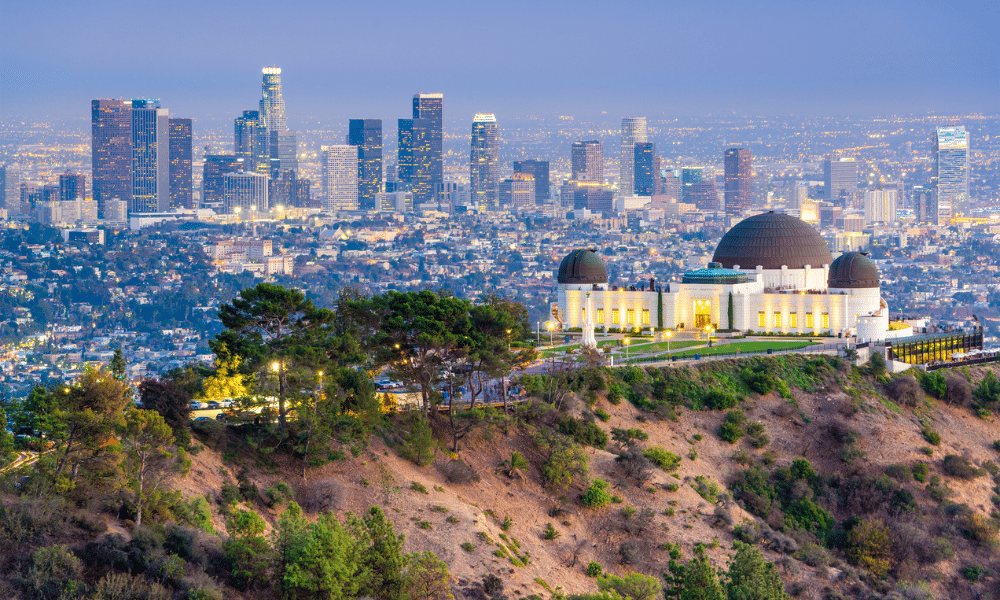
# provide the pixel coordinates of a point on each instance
(869, 69)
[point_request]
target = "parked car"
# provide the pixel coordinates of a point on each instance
(195, 405)
(212, 404)
(202, 419)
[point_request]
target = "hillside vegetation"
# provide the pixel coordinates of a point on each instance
(771, 477)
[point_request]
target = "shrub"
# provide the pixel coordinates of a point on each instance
(939, 491)
(115, 586)
(900, 473)
(230, 494)
(719, 400)
(635, 466)
(416, 486)
(934, 384)
(932, 437)
(662, 458)
(278, 494)
(987, 393)
(959, 466)
(419, 445)
(602, 415)
(708, 490)
(597, 495)
(973, 572)
(550, 532)
(55, 572)
(627, 437)
(628, 552)
(594, 569)
(904, 390)
(468, 547)
(583, 432)
(758, 437)
(458, 471)
(981, 529)
(869, 546)
(959, 392)
(731, 429)
(760, 381)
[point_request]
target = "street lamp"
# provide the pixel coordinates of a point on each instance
(508, 340)
(626, 342)
(550, 326)
(708, 334)
(668, 334)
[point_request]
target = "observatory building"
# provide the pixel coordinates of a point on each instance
(771, 273)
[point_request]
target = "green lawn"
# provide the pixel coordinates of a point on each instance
(744, 347)
(562, 349)
(661, 346)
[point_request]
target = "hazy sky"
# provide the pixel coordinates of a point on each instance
(365, 58)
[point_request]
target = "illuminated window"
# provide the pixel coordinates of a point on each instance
(810, 321)
(600, 316)
(761, 319)
(793, 319)
(614, 316)
(630, 315)
(645, 317)
(583, 315)
(825, 323)
(777, 319)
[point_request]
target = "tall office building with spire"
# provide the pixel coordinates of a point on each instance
(278, 142)
(633, 132)
(150, 156)
(484, 162)
(111, 152)
(951, 171)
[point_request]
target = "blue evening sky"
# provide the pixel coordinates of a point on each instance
(365, 58)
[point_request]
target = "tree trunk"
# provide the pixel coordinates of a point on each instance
(281, 398)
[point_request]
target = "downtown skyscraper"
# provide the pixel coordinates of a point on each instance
(247, 139)
(484, 162)
(340, 177)
(633, 132)
(111, 152)
(738, 167)
(277, 143)
(181, 192)
(539, 169)
(150, 157)
(951, 171)
(587, 161)
(366, 134)
(840, 178)
(644, 169)
(420, 159)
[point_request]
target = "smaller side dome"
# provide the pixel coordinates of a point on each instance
(583, 266)
(853, 270)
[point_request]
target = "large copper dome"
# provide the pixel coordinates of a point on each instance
(853, 270)
(772, 240)
(582, 266)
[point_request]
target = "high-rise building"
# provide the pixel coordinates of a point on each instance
(246, 193)
(517, 192)
(425, 146)
(841, 180)
(739, 174)
(181, 192)
(404, 155)
(150, 156)
(924, 204)
(484, 162)
(213, 179)
(587, 161)
(72, 186)
(246, 138)
(880, 206)
(111, 151)
(539, 169)
(699, 190)
(340, 177)
(633, 132)
(644, 169)
(366, 134)
(278, 145)
(951, 170)
(10, 188)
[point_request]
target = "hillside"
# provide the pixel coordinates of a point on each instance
(856, 525)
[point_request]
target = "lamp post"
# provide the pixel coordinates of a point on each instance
(538, 333)
(708, 334)
(279, 372)
(626, 341)
(508, 340)
(668, 334)
(550, 326)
